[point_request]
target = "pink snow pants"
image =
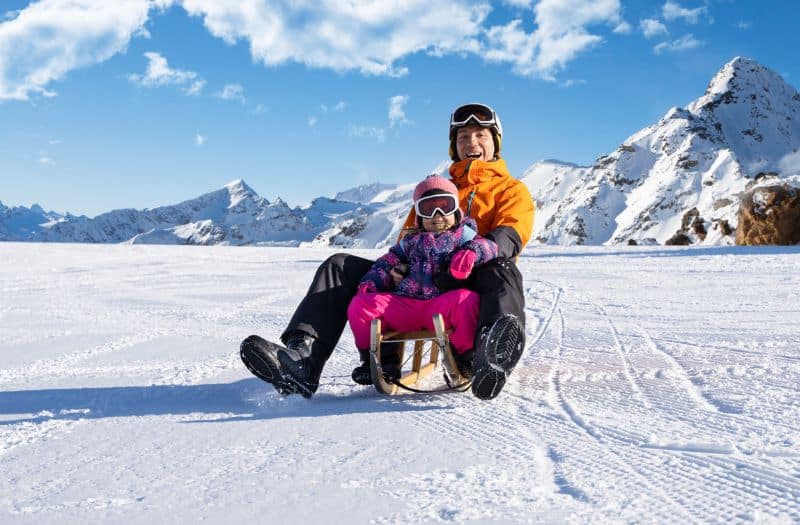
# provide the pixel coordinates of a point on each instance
(459, 308)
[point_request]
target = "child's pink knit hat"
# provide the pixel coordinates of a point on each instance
(434, 182)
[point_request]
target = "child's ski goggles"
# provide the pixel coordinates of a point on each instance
(479, 114)
(427, 207)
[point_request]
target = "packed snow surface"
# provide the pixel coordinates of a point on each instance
(658, 385)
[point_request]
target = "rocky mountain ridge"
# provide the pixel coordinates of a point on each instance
(678, 181)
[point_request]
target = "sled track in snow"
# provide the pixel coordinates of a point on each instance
(587, 458)
(553, 441)
(729, 486)
(643, 478)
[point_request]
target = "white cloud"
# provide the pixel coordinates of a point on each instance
(790, 164)
(519, 3)
(11, 15)
(339, 106)
(369, 37)
(397, 111)
(232, 92)
(80, 33)
(199, 140)
(682, 44)
(46, 161)
(366, 132)
(195, 88)
(312, 121)
(53, 142)
(674, 11)
(561, 34)
(652, 28)
(744, 24)
(159, 73)
(572, 82)
(623, 28)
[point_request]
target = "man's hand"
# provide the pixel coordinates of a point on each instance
(398, 273)
(366, 288)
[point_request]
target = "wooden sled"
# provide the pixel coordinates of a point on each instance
(438, 345)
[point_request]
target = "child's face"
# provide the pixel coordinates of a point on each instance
(439, 222)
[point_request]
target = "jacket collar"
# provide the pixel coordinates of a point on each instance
(466, 172)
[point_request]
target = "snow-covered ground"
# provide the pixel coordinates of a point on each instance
(659, 385)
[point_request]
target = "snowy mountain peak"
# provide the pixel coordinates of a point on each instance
(363, 194)
(238, 191)
(743, 75)
(678, 180)
(239, 186)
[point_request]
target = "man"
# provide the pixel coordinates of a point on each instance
(503, 210)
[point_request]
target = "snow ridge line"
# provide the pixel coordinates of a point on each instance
(565, 406)
(569, 413)
(572, 415)
(45, 367)
(684, 379)
(774, 480)
(546, 322)
(44, 426)
(553, 377)
(626, 364)
(728, 348)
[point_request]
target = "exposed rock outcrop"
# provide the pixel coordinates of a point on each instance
(769, 215)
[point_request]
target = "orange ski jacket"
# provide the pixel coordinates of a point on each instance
(500, 204)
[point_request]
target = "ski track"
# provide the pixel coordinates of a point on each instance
(673, 398)
(65, 363)
(558, 424)
(562, 418)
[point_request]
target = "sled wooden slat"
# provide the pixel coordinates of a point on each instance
(438, 343)
(388, 337)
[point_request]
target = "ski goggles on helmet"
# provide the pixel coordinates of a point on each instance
(479, 114)
(444, 203)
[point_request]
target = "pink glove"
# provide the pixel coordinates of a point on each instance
(462, 263)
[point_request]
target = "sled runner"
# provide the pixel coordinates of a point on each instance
(438, 346)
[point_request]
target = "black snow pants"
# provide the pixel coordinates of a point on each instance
(323, 311)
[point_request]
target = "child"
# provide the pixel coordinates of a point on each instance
(401, 289)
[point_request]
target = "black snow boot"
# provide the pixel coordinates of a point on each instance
(260, 357)
(391, 363)
(362, 374)
(464, 362)
(291, 369)
(298, 365)
(499, 349)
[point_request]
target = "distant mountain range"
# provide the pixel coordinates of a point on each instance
(233, 215)
(677, 180)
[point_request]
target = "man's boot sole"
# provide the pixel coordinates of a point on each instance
(260, 357)
(503, 350)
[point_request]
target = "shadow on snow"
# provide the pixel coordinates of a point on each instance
(243, 400)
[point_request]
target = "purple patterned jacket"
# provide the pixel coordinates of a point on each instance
(427, 255)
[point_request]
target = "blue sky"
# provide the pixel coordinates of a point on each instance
(141, 103)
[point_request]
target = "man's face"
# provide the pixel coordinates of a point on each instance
(475, 142)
